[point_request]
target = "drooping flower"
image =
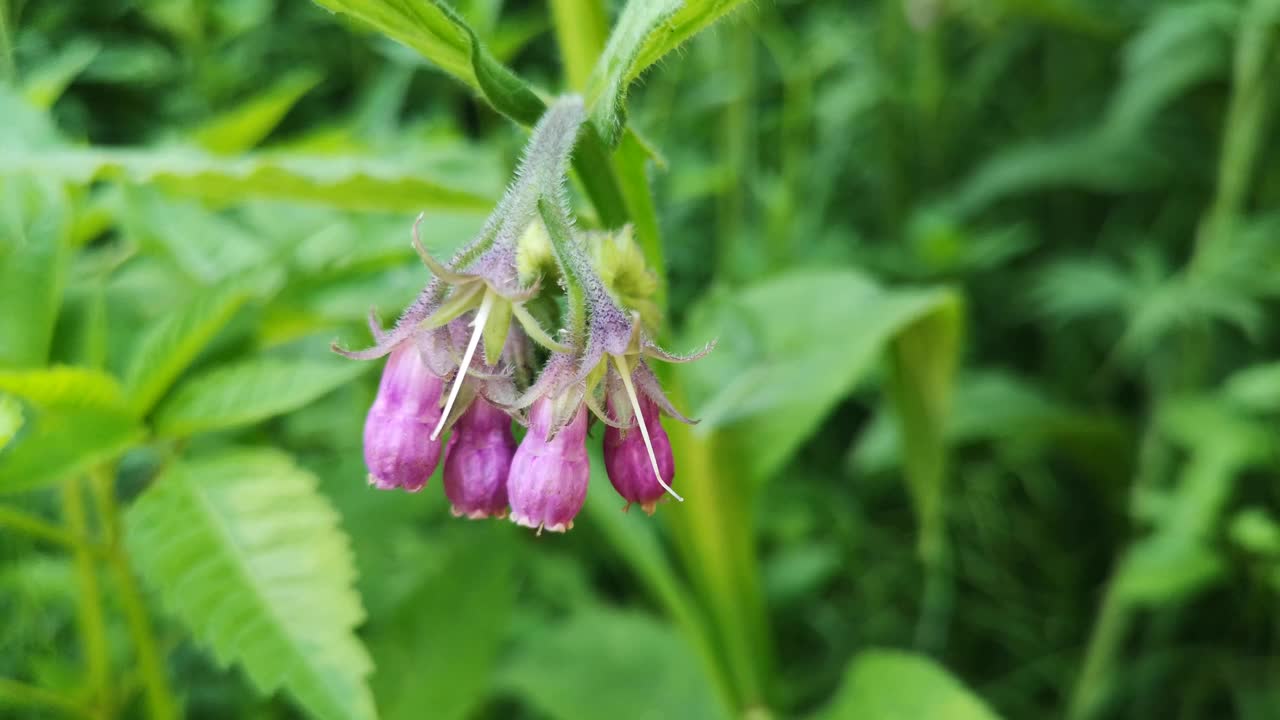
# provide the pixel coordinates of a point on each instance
(478, 460)
(547, 484)
(398, 449)
(628, 462)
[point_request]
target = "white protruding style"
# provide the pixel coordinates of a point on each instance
(482, 316)
(625, 371)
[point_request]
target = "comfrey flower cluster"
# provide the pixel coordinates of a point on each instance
(458, 365)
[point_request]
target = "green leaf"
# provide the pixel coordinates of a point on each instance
(249, 556)
(48, 80)
(1094, 161)
(923, 359)
(169, 345)
(1256, 388)
(422, 25)
(1253, 529)
(1164, 568)
(607, 88)
(694, 17)
(440, 34)
(439, 649)
(34, 230)
(895, 685)
(781, 364)
(248, 391)
(346, 182)
(62, 386)
(11, 419)
(60, 444)
(252, 120)
(604, 664)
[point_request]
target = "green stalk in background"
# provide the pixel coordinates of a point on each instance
(581, 29)
(1254, 67)
(155, 680)
(92, 626)
(714, 530)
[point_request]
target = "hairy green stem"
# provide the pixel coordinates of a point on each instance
(89, 616)
(16, 694)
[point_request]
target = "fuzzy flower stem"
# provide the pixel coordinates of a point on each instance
(625, 371)
(569, 259)
(482, 316)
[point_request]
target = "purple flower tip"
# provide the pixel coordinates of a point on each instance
(626, 459)
(477, 461)
(397, 432)
(548, 481)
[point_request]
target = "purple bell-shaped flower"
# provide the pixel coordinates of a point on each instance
(548, 481)
(397, 432)
(477, 461)
(626, 458)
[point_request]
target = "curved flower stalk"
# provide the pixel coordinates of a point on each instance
(593, 367)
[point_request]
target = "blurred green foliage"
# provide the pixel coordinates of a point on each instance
(990, 430)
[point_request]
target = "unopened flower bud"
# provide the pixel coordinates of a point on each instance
(548, 481)
(397, 432)
(627, 459)
(477, 461)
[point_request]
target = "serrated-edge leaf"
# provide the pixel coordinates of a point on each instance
(174, 341)
(249, 391)
(64, 386)
(249, 556)
(346, 182)
(694, 17)
(607, 88)
(61, 444)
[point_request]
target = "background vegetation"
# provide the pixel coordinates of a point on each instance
(990, 431)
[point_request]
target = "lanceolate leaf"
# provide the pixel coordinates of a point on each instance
(34, 229)
(348, 182)
(249, 391)
(61, 386)
(695, 16)
(170, 345)
(252, 120)
(790, 348)
(436, 31)
(63, 443)
(420, 24)
(607, 88)
(249, 556)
